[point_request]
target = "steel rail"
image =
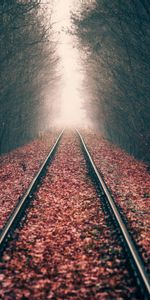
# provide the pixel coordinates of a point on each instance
(16, 215)
(136, 261)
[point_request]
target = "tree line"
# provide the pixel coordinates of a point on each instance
(27, 67)
(115, 36)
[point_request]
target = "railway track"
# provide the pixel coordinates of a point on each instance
(129, 244)
(21, 206)
(136, 262)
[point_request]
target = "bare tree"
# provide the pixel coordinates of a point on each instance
(116, 40)
(27, 67)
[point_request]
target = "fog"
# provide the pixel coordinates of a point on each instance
(70, 101)
(75, 64)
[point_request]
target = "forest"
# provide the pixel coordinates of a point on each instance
(74, 149)
(27, 68)
(114, 41)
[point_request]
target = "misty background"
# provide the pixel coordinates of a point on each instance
(113, 42)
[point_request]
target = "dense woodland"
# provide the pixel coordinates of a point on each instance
(27, 68)
(115, 36)
(114, 42)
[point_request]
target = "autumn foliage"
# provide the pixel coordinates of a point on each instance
(67, 247)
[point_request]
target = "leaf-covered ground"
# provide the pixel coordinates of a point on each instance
(129, 181)
(17, 170)
(66, 248)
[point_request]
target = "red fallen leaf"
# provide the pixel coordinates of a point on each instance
(110, 263)
(6, 257)
(113, 281)
(43, 270)
(50, 295)
(25, 293)
(103, 296)
(49, 255)
(128, 180)
(2, 276)
(7, 283)
(17, 170)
